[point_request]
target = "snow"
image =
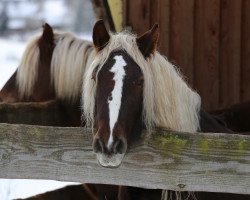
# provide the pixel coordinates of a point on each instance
(55, 19)
(24, 8)
(20, 11)
(10, 54)
(16, 188)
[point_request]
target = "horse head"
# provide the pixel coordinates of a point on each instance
(31, 81)
(118, 98)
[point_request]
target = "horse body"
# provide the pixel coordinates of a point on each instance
(236, 117)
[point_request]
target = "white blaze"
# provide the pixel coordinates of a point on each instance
(116, 95)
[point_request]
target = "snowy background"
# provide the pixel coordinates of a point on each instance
(19, 21)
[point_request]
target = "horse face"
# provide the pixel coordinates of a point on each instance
(119, 97)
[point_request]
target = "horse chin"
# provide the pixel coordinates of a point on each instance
(111, 161)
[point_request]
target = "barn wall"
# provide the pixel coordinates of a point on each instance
(207, 39)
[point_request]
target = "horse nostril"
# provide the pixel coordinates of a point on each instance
(119, 147)
(98, 146)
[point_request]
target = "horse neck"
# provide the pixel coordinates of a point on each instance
(176, 106)
(9, 92)
(43, 89)
(210, 123)
(70, 60)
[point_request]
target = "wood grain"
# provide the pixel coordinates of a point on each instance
(206, 52)
(230, 52)
(164, 23)
(139, 15)
(165, 160)
(48, 113)
(245, 68)
(182, 36)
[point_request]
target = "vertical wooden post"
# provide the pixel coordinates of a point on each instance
(230, 52)
(206, 54)
(182, 36)
(245, 58)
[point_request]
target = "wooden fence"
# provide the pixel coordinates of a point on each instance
(48, 113)
(163, 160)
(208, 39)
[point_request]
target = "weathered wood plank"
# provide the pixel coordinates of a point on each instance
(165, 160)
(48, 113)
(230, 52)
(245, 48)
(206, 51)
(102, 11)
(164, 23)
(182, 36)
(138, 15)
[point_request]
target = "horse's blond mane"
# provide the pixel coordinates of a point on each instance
(71, 57)
(27, 70)
(69, 60)
(167, 100)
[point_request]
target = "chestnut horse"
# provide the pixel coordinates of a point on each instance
(130, 86)
(51, 67)
(33, 72)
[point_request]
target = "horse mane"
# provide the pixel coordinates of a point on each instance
(27, 70)
(70, 58)
(167, 99)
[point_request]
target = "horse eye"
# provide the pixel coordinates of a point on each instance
(138, 83)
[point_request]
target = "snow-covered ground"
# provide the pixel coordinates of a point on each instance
(16, 188)
(10, 54)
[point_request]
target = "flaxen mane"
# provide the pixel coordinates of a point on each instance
(69, 60)
(168, 101)
(27, 70)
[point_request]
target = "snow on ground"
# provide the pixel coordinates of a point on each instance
(10, 54)
(16, 188)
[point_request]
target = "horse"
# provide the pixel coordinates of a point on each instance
(103, 79)
(33, 72)
(51, 68)
(130, 86)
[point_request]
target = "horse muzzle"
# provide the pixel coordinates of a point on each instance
(110, 155)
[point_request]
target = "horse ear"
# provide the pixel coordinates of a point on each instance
(48, 34)
(100, 35)
(147, 42)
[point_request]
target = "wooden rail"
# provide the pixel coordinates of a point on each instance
(163, 159)
(47, 113)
